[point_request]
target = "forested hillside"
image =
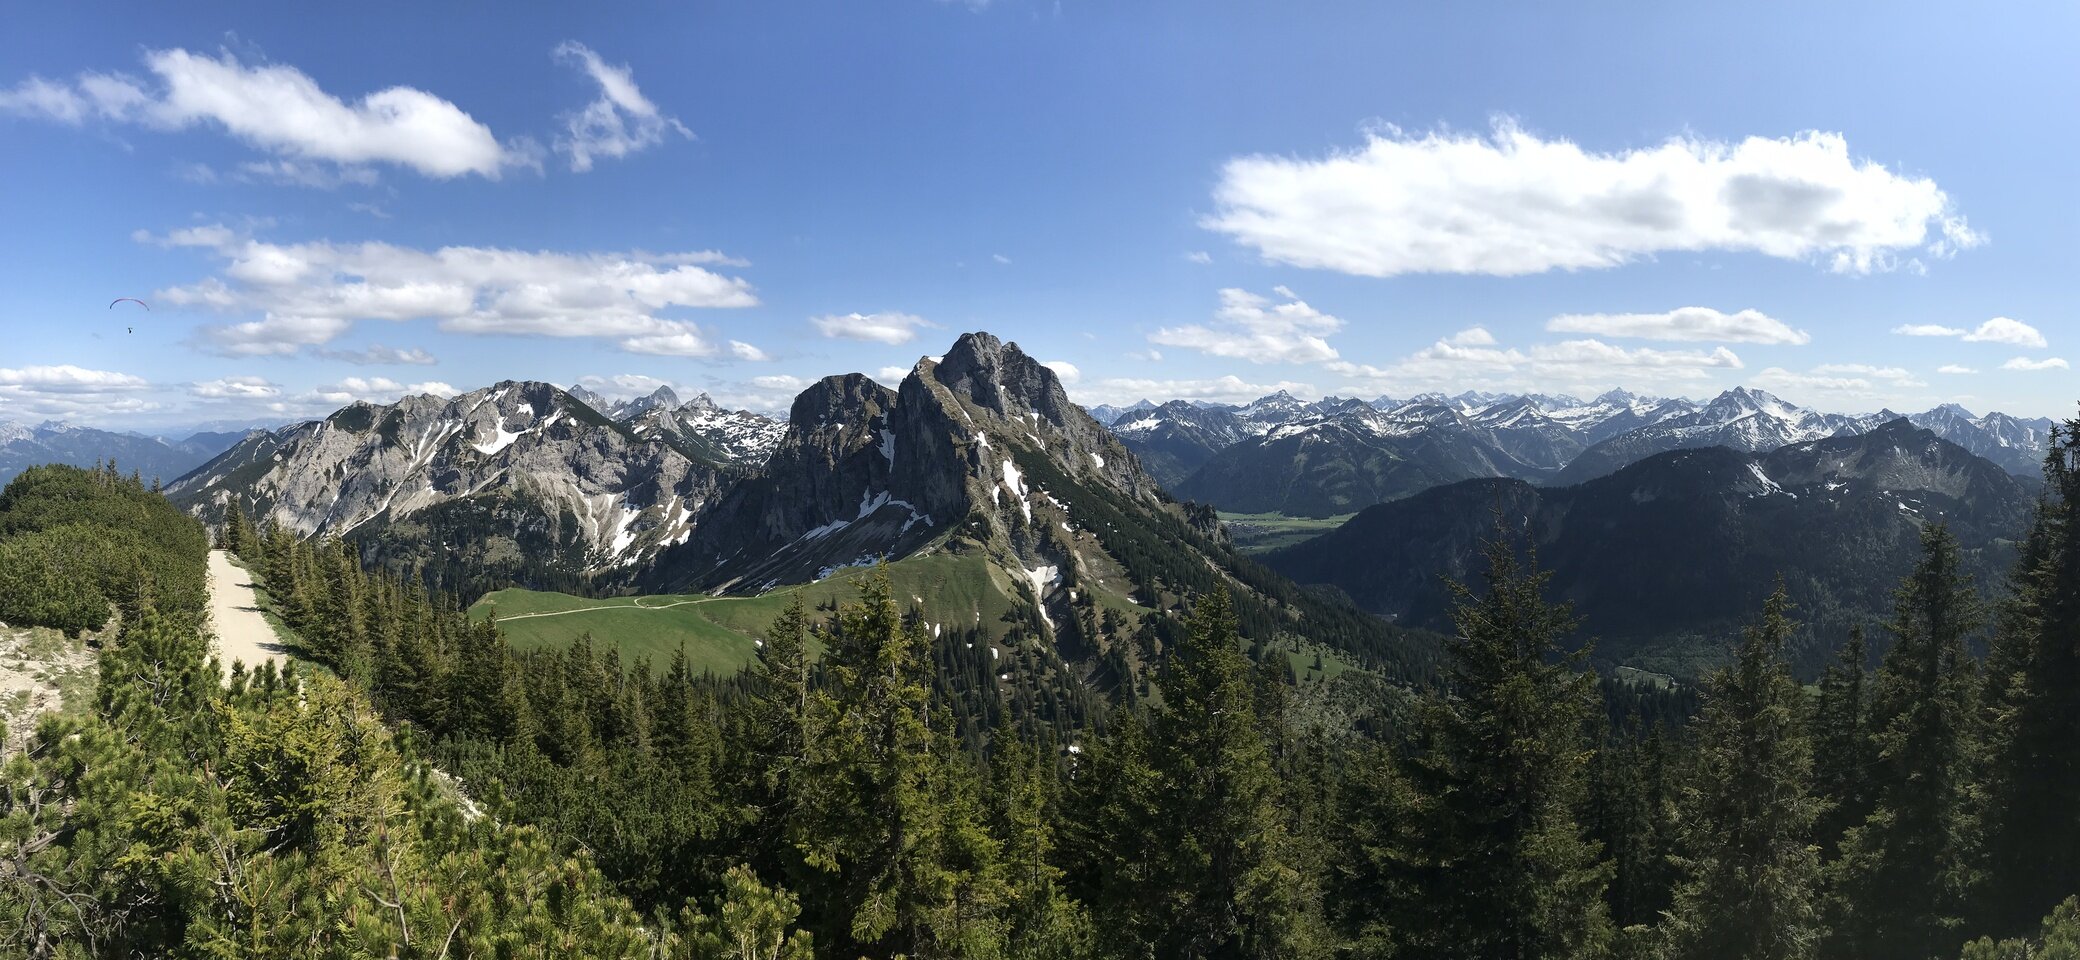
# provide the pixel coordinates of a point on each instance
(868, 802)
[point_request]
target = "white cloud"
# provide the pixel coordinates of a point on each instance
(1896, 376)
(624, 385)
(621, 121)
(1512, 203)
(1683, 323)
(1064, 371)
(67, 378)
(72, 392)
(2025, 363)
(1251, 327)
(294, 174)
(235, 388)
(888, 327)
(1928, 330)
(1997, 330)
(1227, 389)
(744, 351)
(1952, 368)
(772, 394)
(279, 109)
(891, 376)
(1199, 256)
(379, 355)
(373, 390)
(2012, 332)
(311, 293)
(1473, 359)
(1000, 258)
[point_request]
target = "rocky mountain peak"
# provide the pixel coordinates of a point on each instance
(842, 400)
(998, 376)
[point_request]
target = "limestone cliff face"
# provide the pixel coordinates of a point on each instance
(865, 473)
(595, 482)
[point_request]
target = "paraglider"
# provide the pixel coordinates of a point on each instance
(147, 308)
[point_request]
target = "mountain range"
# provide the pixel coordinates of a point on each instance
(976, 462)
(1334, 456)
(23, 446)
(1665, 557)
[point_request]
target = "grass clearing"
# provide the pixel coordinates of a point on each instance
(1258, 532)
(719, 633)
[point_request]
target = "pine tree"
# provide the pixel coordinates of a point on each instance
(1749, 875)
(1905, 871)
(1500, 777)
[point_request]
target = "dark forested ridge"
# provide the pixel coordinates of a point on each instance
(1665, 558)
(850, 796)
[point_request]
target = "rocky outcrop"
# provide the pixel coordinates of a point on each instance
(865, 473)
(592, 481)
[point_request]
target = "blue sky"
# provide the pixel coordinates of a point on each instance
(1171, 199)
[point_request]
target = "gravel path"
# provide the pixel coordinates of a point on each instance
(243, 634)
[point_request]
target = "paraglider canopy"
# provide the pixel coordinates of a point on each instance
(141, 303)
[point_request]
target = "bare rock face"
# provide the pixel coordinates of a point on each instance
(594, 483)
(865, 473)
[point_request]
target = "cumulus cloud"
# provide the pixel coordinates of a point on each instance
(2027, 364)
(1928, 330)
(888, 327)
(1897, 376)
(1953, 368)
(374, 390)
(67, 378)
(1226, 389)
(1683, 323)
(1842, 382)
(1248, 326)
(70, 391)
(235, 388)
(281, 110)
(308, 294)
(2014, 333)
(891, 375)
(1064, 371)
(1513, 203)
(619, 122)
(744, 351)
(1473, 358)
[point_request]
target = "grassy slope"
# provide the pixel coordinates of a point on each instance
(718, 632)
(1258, 532)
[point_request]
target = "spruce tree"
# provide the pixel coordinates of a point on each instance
(1749, 873)
(884, 816)
(2032, 778)
(1905, 871)
(1499, 855)
(1182, 848)
(1843, 753)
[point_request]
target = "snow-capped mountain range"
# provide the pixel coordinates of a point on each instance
(734, 436)
(1281, 453)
